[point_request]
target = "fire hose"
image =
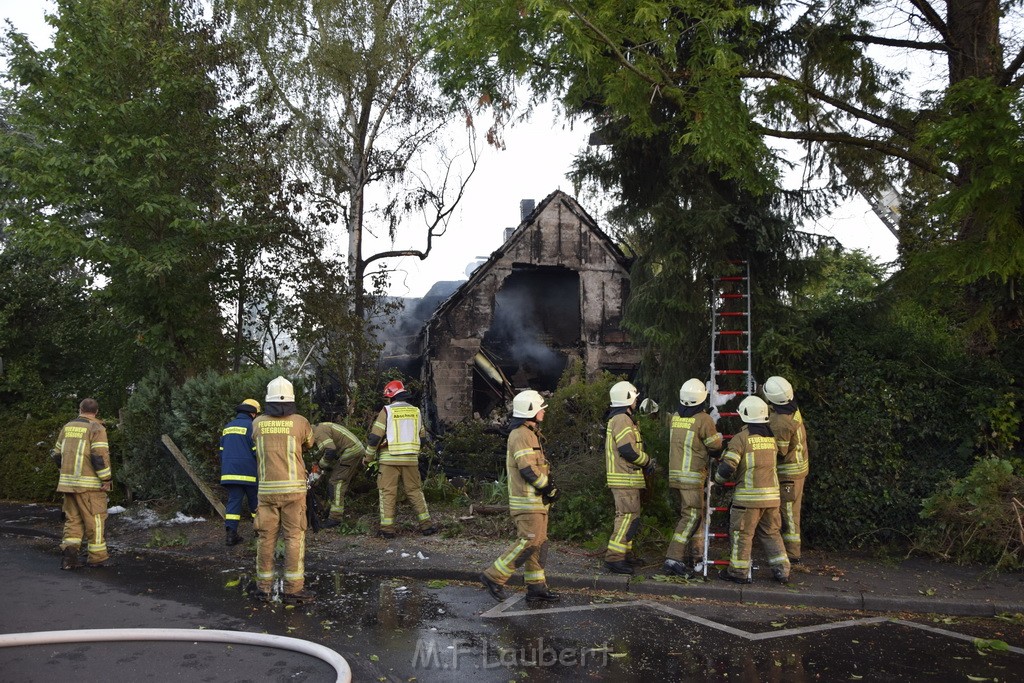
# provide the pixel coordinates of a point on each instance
(100, 635)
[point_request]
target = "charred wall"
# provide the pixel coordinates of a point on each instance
(553, 292)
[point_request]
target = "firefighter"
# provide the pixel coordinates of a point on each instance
(626, 463)
(791, 436)
(342, 454)
(280, 436)
(530, 493)
(238, 467)
(83, 457)
(394, 447)
(750, 460)
(692, 437)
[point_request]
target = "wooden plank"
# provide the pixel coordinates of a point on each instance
(203, 486)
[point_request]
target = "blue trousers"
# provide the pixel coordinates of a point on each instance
(233, 510)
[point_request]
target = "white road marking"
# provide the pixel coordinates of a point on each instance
(503, 610)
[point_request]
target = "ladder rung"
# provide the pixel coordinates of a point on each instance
(718, 509)
(732, 295)
(732, 314)
(730, 372)
(732, 278)
(718, 563)
(731, 352)
(731, 392)
(729, 414)
(738, 261)
(730, 333)
(718, 535)
(728, 436)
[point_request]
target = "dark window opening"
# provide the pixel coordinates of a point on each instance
(536, 320)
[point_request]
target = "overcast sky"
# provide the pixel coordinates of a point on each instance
(537, 156)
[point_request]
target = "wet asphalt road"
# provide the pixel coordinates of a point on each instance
(404, 630)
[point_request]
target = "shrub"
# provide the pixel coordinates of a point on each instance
(26, 471)
(977, 518)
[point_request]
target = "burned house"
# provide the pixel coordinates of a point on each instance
(553, 292)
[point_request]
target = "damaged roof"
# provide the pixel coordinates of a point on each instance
(573, 207)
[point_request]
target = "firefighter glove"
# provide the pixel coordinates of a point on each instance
(651, 468)
(549, 494)
(55, 456)
(373, 468)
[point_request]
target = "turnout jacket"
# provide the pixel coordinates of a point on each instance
(690, 440)
(791, 436)
(279, 443)
(84, 456)
(527, 469)
(624, 454)
(238, 451)
(396, 433)
(750, 459)
(337, 444)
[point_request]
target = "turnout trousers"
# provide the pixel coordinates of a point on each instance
(233, 510)
(744, 525)
(341, 478)
(690, 529)
(387, 487)
(627, 523)
(529, 551)
(85, 518)
(792, 493)
(285, 514)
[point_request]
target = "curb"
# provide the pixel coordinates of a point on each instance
(860, 600)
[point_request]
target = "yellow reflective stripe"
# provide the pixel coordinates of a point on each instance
(423, 516)
(104, 473)
(535, 577)
(387, 458)
(523, 453)
(99, 444)
(685, 477)
(232, 517)
(238, 477)
(732, 457)
(712, 439)
(81, 482)
(272, 487)
(235, 430)
(623, 433)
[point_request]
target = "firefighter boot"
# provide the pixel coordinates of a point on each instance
(330, 523)
(232, 538)
(677, 568)
(620, 567)
(496, 590)
(69, 558)
(298, 598)
(726, 576)
(538, 592)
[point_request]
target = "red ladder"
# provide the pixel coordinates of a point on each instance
(731, 358)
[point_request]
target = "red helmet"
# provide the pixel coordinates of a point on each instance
(393, 388)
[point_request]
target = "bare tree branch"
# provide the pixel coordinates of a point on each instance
(896, 42)
(935, 21)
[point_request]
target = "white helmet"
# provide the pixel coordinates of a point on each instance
(527, 404)
(777, 390)
(753, 410)
(693, 392)
(622, 394)
(280, 390)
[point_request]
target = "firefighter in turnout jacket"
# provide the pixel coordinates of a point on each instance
(625, 466)
(530, 493)
(750, 460)
(82, 455)
(342, 454)
(238, 467)
(691, 438)
(394, 445)
(280, 436)
(791, 436)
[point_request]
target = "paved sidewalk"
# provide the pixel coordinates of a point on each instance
(833, 580)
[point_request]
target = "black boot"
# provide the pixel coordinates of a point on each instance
(232, 538)
(330, 523)
(620, 567)
(538, 592)
(496, 590)
(677, 568)
(298, 598)
(724, 575)
(69, 559)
